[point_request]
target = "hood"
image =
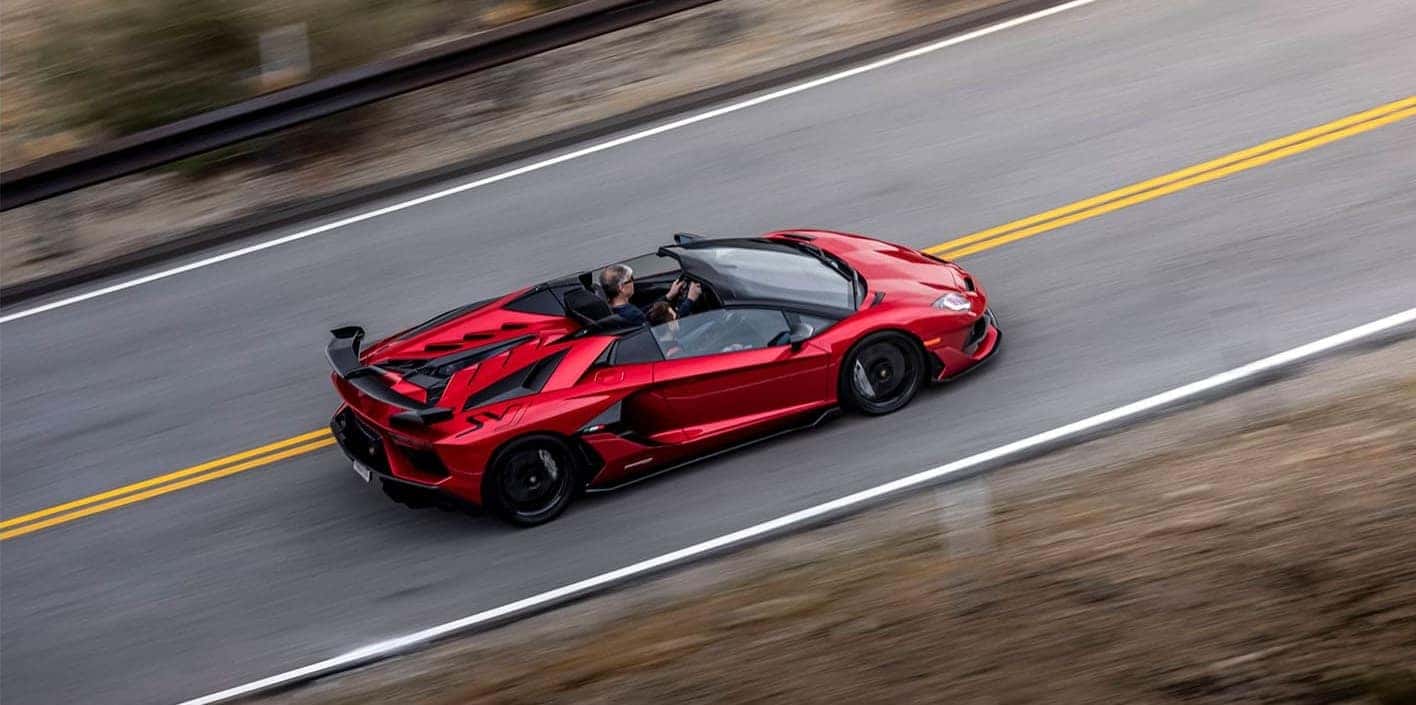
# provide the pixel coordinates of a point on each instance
(899, 271)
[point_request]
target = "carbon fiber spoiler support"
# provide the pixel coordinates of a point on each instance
(343, 355)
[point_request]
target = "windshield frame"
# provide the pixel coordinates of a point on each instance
(735, 290)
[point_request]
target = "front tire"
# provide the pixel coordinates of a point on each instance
(531, 480)
(882, 373)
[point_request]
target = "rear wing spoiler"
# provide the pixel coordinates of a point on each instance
(343, 355)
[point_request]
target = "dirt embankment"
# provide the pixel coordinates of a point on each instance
(1255, 550)
(453, 122)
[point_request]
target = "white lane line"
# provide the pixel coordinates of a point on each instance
(1071, 430)
(537, 166)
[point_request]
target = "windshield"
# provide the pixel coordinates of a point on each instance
(778, 275)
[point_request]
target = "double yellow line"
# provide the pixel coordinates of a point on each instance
(1242, 160)
(171, 482)
(969, 244)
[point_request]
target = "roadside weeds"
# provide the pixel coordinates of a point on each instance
(1205, 557)
(435, 133)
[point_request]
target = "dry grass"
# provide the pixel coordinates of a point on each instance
(1271, 564)
(48, 45)
(429, 129)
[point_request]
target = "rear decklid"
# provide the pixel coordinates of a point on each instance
(478, 324)
(403, 378)
(420, 392)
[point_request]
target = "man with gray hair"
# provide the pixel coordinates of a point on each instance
(617, 280)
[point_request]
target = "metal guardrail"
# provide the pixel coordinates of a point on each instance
(76, 169)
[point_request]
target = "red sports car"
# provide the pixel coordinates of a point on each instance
(519, 403)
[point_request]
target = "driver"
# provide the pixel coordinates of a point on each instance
(618, 282)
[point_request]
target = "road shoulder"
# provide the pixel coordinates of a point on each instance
(1252, 549)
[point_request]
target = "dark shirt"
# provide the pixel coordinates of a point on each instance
(634, 314)
(631, 313)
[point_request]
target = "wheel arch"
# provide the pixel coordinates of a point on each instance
(925, 357)
(582, 452)
(888, 328)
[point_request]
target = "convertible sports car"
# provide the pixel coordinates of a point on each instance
(521, 402)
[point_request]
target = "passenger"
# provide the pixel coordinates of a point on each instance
(660, 313)
(618, 282)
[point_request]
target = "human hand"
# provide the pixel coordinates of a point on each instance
(694, 290)
(675, 288)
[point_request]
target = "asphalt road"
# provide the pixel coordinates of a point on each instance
(243, 577)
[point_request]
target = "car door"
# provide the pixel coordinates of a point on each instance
(630, 367)
(731, 373)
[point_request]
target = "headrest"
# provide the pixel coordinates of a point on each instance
(585, 307)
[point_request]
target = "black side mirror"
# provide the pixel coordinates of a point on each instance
(799, 335)
(685, 238)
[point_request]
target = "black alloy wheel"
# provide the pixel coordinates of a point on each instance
(531, 481)
(882, 373)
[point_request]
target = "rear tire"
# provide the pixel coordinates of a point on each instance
(882, 373)
(531, 480)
